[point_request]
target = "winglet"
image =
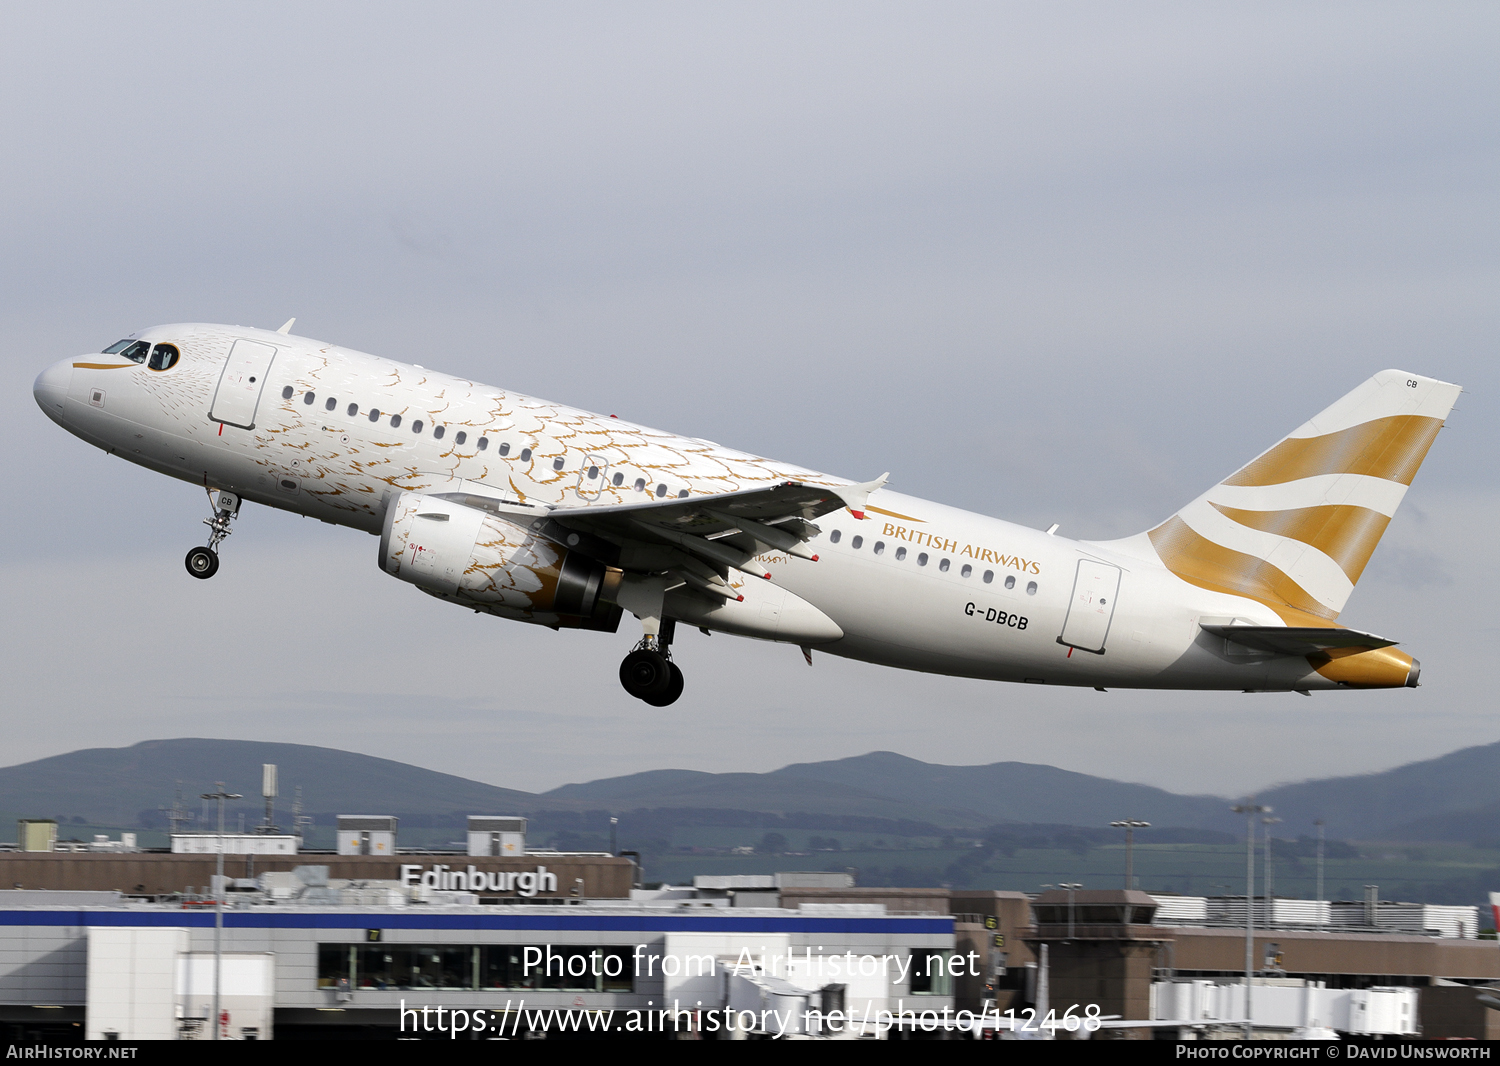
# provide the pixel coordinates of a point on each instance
(286, 327)
(856, 496)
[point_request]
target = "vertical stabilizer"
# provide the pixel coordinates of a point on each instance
(1295, 526)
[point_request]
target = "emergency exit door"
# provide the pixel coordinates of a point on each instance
(1092, 607)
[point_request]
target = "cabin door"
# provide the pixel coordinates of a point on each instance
(240, 383)
(1092, 606)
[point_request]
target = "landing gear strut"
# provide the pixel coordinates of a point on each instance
(648, 672)
(203, 562)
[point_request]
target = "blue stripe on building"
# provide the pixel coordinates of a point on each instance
(556, 922)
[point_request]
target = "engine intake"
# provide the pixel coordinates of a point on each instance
(487, 562)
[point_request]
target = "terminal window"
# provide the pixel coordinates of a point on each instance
(409, 967)
(931, 973)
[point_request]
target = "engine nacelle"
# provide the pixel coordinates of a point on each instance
(486, 562)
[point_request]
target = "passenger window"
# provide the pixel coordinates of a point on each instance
(879, 548)
(943, 565)
(460, 437)
(330, 403)
(557, 464)
(416, 427)
(1031, 588)
(353, 410)
(286, 393)
(310, 398)
(1010, 581)
(900, 554)
(163, 357)
(661, 490)
(395, 421)
(525, 455)
(374, 414)
(922, 559)
(682, 494)
(640, 484)
(593, 471)
(856, 543)
(989, 575)
(617, 479)
(504, 448)
(966, 571)
(833, 538)
(437, 432)
(484, 442)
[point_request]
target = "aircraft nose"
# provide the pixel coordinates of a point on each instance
(51, 389)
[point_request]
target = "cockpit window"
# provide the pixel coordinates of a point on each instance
(135, 351)
(163, 357)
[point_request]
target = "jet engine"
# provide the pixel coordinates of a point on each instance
(494, 562)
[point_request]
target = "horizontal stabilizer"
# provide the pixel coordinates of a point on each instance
(1296, 640)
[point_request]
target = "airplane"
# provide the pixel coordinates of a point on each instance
(536, 512)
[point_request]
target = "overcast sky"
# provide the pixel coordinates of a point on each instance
(1049, 262)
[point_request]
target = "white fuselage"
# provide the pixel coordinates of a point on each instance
(913, 584)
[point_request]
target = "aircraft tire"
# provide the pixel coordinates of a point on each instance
(674, 689)
(202, 563)
(646, 674)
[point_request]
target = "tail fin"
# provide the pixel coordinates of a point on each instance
(1295, 526)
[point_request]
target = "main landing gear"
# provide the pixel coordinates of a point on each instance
(203, 562)
(648, 672)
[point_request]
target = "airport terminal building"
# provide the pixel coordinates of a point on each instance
(333, 965)
(107, 941)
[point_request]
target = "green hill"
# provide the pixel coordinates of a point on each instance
(1454, 797)
(125, 786)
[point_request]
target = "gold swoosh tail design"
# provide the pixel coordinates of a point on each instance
(1295, 527)
(1390, 448)
(1345, 534)
(1199, 561)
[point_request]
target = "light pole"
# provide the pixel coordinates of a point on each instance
(1249, 809)
(1130, 825)
(1071, 887)
(1270, 906)
(1319, 823)
(614, 847)
(221, 796)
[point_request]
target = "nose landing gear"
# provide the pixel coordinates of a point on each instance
(648, 672)
(203, 563)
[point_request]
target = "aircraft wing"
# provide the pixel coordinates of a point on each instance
(1296, 640)
(723, 530)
